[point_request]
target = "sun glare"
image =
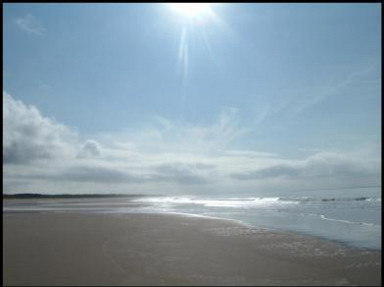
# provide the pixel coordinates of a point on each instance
(192, 10)
(189, 16)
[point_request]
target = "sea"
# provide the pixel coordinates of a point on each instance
(349, 216)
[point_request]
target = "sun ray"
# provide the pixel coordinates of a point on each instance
(192, 18)
(183, 52)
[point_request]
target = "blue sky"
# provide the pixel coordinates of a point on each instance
(258, 96)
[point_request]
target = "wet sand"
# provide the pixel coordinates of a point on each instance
(139, 249)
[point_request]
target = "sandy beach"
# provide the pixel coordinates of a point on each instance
(142, 249)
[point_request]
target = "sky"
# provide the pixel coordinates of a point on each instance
(241, 98)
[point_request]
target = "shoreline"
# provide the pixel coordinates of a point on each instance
(193, 215)
(164, 249)
(352, 234)
(270, 229)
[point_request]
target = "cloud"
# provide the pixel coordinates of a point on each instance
(81, 173)
(347, 168)
(40, 154)
(270, 172)
(163, 122)
(185, 173)
(165, 134)
(37, 149)
(216, 136)
(30, 24)
(96, 174)
(310, 97)
(338, 164)
(90, 148)
(28, 136)
(106, 173)
(249, 153)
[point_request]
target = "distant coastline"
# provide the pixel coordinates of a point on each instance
(106, 195)
(93, 195)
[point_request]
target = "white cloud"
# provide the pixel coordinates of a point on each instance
(165, 135)
(42, 155)
(28, 136)
(215, 137)
(30, 24)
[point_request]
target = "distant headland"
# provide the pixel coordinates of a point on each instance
(92, 195)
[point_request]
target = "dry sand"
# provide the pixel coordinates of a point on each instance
(140, 249)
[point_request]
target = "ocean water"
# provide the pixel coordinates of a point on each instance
(352, 217)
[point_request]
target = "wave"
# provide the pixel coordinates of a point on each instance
(322, 216)
(362, 198)
(346, 221)
(248, 202)
(378, 199)
(227, 202)
(332, 199)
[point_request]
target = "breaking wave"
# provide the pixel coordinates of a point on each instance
(227, 202)
(247, 201)
(322, 216)
(331, 199)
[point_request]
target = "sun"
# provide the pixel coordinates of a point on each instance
(190, 16)
(192, 10)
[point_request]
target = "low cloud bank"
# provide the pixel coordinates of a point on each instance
(43, 155)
